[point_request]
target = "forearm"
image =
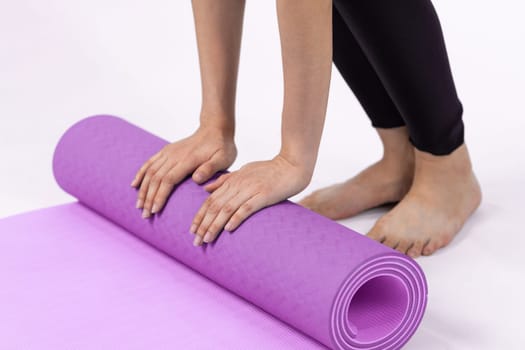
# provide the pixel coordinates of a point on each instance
(305, 28)
(218, 27)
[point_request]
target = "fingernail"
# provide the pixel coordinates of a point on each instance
(132, 183)
(198, 177)
(139, 204)
(197, 241)
(228, 227)
(193, 228)
(208, 237)
(145, 214)
(154, 209)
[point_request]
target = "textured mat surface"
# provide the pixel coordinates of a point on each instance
(333, 284)
(73, 280)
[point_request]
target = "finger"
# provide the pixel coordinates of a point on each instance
(249, 207)
(226, 212)
(210, 208)
(147, 178)
(153, 187)
(203, 232)
(142, 171)
(174, 176)
(161, 197)
(217, 183)
(206, 170)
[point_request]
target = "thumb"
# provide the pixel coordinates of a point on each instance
(204, 172)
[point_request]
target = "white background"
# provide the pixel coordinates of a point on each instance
(61, 61)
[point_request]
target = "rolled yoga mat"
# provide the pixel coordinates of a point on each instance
(327, 281)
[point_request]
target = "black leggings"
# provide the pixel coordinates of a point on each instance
(393, 57)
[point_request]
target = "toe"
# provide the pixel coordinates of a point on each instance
(391, 242)
(446, 238)
(403, 246)
(416, 249)
(376, 235)
(379, 231)
(430, 247)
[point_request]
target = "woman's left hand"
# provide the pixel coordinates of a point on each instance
(237, 195)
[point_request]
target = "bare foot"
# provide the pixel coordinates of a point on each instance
(445, 192)
(386, 181)
(378, 184)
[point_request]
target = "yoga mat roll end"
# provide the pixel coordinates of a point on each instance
(380, 304)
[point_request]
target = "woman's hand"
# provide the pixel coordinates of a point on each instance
(206, 151)
(239, 194)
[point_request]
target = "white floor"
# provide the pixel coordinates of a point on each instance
(63, 61)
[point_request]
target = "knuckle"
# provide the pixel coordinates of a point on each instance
(228, 208)
(169, 179)
(155, 179)
(209, 201)
(150, 194)
(247, 207)
(214, 228)
(214, 208)
(150, 172)
(235, 219)
(205, 168)
(144, 190)
(202, 230)
(196, 221)
(198, 218)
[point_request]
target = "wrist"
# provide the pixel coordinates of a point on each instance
(304, 165)
(303, 157)
(221, 123)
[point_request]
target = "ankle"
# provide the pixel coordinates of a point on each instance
(399, 161)
(454, 164)
(398, 152)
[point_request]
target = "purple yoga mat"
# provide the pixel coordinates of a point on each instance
(333, 284)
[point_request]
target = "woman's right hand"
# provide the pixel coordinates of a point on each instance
(206, 151)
